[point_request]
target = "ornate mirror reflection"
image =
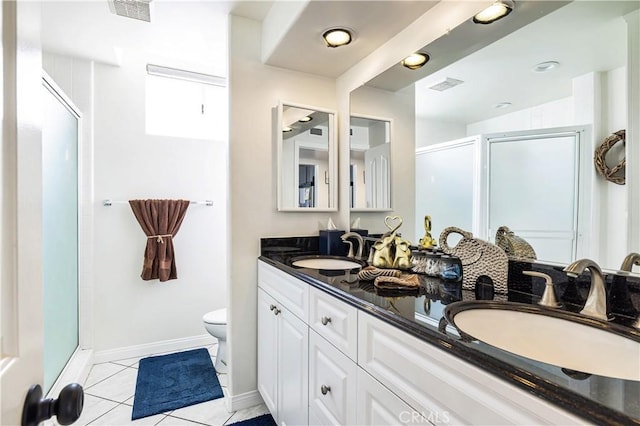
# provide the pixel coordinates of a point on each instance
(306, 151)
(370, 164)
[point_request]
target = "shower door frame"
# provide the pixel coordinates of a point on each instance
(78, 365)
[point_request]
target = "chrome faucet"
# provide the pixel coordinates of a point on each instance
(358, 238)
(629, 261)
(596, 304)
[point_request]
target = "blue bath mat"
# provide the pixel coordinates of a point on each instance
(169, 382)
(263, 420)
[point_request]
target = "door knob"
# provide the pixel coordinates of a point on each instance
(325, 320)
(67, 408)
(324, 389)
(272, 307)
(276, 311)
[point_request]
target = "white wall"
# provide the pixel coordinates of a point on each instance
(131, 164)
(128, 163)
(255, 90)
(430, 132)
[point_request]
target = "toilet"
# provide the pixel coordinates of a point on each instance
(215, 322)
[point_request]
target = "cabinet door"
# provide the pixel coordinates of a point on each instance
(267, 351)
(332, 383)
(377, 405)
(293, 369)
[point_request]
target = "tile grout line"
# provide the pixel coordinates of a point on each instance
(108, 377)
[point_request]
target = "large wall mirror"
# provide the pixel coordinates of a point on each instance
(370, 164)
(307, 163)
(564, 70)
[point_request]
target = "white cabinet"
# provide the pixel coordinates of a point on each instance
(441, 385)
(377, 405)
(332, 384)
(267, 355)
(358, 369)
(283, 360)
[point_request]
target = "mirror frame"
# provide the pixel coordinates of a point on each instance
(332, 155)
(391, 167)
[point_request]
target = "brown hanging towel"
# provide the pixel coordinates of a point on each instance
(160, 220)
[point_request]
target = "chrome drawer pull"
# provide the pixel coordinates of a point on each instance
(272, 307)
(276, 311)
(325, 320)
(324, 389)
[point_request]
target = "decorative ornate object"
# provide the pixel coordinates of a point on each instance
(615, 174)
(427, 241)
(479, 259)
(391, 251)
(513, 245)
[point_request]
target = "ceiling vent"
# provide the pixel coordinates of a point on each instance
(136, 9)
(446, 84)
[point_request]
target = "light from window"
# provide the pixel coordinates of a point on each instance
(185, 109)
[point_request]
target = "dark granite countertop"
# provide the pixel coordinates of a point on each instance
(598, 399)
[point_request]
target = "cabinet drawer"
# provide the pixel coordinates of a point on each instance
(335, 321)
(332, 384)
(434, 382)
(290, 291)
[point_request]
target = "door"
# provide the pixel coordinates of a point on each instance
(267, 351)
(20, 210)
(293, 371)
(332, 383)
(377, 177)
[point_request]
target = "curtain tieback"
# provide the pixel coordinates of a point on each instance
(160, 237)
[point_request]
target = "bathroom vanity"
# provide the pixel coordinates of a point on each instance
(333, 350)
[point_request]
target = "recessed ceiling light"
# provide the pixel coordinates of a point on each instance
(336, 37)
(546, 66)
(305, 119)
(415, 60)
(502, 105)
(287, 129)
(497, 10)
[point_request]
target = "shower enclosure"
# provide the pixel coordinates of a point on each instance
(60, 132)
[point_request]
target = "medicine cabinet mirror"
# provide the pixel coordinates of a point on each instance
(370, 164)
(307, 158)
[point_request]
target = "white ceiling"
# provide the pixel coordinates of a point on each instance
(87, 29)
(374, 23)
(583, 36)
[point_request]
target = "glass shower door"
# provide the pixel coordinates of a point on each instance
(60, 232)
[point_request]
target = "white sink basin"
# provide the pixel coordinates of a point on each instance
(559, 338)
(330, 263)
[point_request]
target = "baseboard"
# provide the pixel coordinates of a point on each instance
(76, 371)
(242, 401)
(153, 348)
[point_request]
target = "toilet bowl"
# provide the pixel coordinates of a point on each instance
(215, 322)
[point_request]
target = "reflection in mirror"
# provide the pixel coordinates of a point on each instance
(505, 92)
(370, 163)
(306, 158)
(536, 131)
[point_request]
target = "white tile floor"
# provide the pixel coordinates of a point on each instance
(109, 391)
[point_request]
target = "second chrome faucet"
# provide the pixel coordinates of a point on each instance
(596, 304)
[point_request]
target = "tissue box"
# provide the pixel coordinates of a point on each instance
(331, 244)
